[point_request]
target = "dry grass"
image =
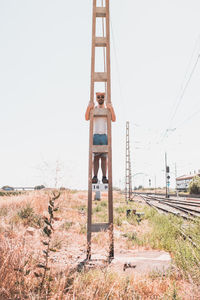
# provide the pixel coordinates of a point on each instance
(21, 249)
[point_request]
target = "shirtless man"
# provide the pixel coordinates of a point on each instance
(100, 135)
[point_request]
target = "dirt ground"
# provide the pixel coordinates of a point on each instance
(69, 240)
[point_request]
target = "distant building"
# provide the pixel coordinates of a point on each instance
(182, 182)
(7, 188)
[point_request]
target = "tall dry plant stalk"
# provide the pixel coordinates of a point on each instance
(47, 230)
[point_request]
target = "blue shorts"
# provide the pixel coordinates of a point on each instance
(100, 139)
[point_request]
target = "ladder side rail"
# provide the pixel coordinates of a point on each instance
(89, 216)
(126, 166)
(108, 88)
(109, 129)
(110, 190)
(93, 52)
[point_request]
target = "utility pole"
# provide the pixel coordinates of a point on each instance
(166, 194)
(175, 179)
(128, 173)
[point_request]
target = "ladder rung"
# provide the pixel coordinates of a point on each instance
(100, 112)
(100, 149)
(99, 227)
(100, 42)
(100, 12)
(100, 76)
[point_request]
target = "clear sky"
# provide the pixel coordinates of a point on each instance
(45, 54)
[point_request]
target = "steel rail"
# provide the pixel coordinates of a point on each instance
(177, 202)
(179, 209)
(158, 208)
(184, 235)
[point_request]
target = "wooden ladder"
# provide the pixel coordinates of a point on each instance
(100, 12)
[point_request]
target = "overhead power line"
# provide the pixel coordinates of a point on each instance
(185, 88)
(163, 136)
(189, 118)
(196, 49)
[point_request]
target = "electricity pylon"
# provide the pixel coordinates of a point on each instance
(128, 174)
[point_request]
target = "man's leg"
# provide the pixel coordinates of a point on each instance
(96, 159)
(95, 168)
(104, 168)
(96, 165)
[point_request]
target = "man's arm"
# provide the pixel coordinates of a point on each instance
(89, 108)
(111, 109)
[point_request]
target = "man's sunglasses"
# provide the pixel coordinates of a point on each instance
(100, 97)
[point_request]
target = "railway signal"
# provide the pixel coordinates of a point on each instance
(149, 182)
(168, 182)
(167, 176)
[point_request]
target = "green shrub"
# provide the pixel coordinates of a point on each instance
(194, 187)
(83, 229)
(118, 221)
(10, 193)
(121, 210)
(132, 236)
(28, 216)
(82, 208)
(97, 208)
(67, 225)
(26, 212)
(104, 203)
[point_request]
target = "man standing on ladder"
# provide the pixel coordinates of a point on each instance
(100, 136)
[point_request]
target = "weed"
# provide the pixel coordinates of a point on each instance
(104, 203)
(97, 208)
(82, 208)
(166, 235)
(121, 210)
(67, 225)
(3, 211)
(83, 229)
(56, 243)
(132, 219)
(9, 194)
(28, 217)
(118, 221)
(102, 217)
(26, 212)
(14, 220)
(132, 236)
(174, 295)
(47, 230)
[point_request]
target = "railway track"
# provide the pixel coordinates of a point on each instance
(187, 209)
